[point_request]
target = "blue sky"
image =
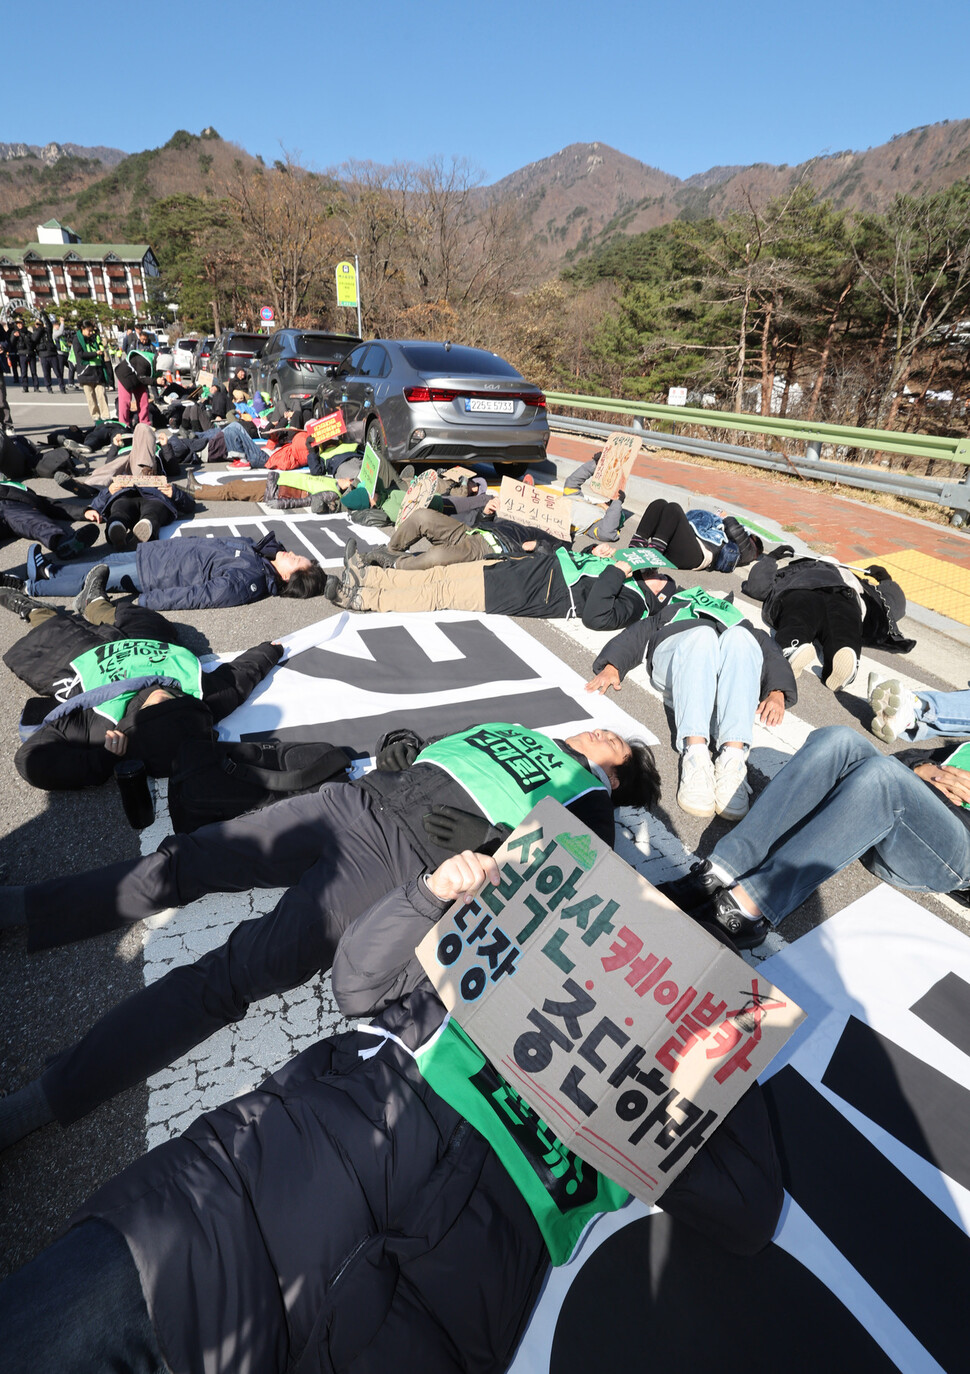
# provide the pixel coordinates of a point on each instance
(681, 87)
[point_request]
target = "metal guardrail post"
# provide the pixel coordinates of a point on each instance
(813, 450)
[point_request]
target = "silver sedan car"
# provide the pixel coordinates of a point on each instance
(419, 401)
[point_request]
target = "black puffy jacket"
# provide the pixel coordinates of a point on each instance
(42, 659)
(343, 1218)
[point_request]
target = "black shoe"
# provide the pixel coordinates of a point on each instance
(190, 484)
(72, 446)
(694, 891)
(9, 580)
(961, 895)
(746, 931)
(118, 536)
(94, 587)
(331, 587)
(18, 602)
(379, 558)
(69, 482)
(77, 542)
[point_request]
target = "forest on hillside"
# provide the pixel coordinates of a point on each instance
(787, 306)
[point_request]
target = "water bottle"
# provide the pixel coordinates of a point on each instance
(136, 796)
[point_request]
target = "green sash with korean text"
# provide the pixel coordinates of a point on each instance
(508, 770)
(562, 1192)
(578, 565)
(696, 604)
(121, 659)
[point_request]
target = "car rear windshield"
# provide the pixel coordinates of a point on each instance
(188, 345)
(313, 346)
(435, 359)
(245, 341)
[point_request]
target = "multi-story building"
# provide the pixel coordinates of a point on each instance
(60, 268)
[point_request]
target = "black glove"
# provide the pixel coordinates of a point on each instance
(782, 551)
(878, 573)
(397, 757)
(453, 829)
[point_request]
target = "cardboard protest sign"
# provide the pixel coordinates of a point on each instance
(204, 379)
(418, 495)
(531, 505)
(369, 469)
(163, 484)
(613, 467)
(458, 473)
(642, 558)
(629, 1029)
(328, 427)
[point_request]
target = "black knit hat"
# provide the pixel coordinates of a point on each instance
(158, 731)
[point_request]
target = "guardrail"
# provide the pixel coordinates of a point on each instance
(954, 495)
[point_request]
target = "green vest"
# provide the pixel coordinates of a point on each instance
(694, 603)
(122, 659)
(577, 565)
(306, 481)
(562, 1192)
(509, 770)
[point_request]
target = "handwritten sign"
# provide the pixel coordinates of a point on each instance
(418, 495)
(369, 468)
(327, 428)
(629, 1029)
(613, 467)
(530, 505)
(162, 484)
(204, 379)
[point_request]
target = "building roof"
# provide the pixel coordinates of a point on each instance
(83, 252)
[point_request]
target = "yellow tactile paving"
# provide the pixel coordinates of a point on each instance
(931, 582)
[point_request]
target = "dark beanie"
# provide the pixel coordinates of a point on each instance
(157, 732)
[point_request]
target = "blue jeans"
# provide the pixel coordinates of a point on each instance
(68, 578)
(78, 1309)
(944, 713)
(238, 441)
(836, 800)
(713, 680)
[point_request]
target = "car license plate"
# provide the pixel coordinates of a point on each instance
(492, 407)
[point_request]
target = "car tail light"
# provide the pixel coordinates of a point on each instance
(308, 362)
(415, 395)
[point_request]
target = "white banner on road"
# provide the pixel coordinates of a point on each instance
(322, 537)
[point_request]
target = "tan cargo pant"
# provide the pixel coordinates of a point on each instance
(459, 587)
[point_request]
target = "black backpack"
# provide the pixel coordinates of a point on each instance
(217, 781)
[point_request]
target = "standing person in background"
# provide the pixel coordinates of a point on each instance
(47, 353)
(87, 355)
(133, 372)
(8, 356)
(24, 346)
(62, 339)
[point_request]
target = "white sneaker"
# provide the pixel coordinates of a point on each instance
(695, 795)
(845, 665)
(895, 709)
(731, 788)
(800, 657)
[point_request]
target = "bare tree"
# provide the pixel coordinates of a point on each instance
(916, 259)
(286, 215)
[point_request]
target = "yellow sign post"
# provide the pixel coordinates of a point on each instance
(347, 293)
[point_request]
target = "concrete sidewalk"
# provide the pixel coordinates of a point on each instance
(931, 562)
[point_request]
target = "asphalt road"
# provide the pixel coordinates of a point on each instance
(48, 999)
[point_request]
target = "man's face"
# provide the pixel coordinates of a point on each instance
(603, 747)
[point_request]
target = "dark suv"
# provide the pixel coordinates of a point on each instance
(295, 362)
(233, 350)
